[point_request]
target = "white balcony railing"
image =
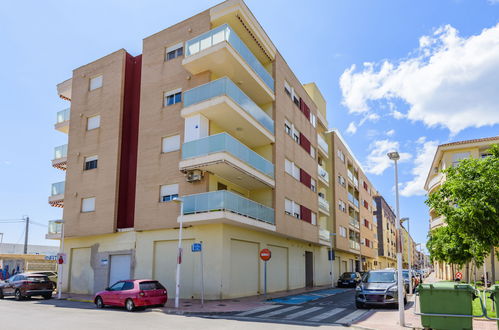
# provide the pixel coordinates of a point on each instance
(323, 204)
(323, 174)
(354, 245)
(435, 181)
(324, 234)
(322, 144)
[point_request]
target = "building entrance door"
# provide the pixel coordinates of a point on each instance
(309, 268)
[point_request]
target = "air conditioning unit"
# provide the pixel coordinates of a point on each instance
(193, 176)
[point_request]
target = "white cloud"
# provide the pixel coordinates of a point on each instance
(390, 132)
(422, 162)
(493, 2)
(377, 161)
(352, 129)
(451, 82)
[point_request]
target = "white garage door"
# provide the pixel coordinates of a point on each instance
(165, 262)
(120, 268)
(243, 268)
(82, 274)
(277, 269)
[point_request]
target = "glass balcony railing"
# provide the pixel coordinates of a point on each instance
(322, 144)
(324, 234)
(223, 200)
(354, 245)
(225, 33)
(224, 86)
(55, 228)
(63, 116)
(353, 178)
(354, 222)
(323, 173)
(57, 188)
(61, 151)
(352, 199)
(323, 204)
(224, 142)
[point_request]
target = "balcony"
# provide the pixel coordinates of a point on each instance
(324, 234)
(435, 182)
(323, 205)
(62, 123)
(437, 222)
(54, 230)
(223, 206)
(233, 111)
(323, 147)
(56, 198)
(222, 52)
(354, 245)
(353, 200)
(60, 157)
(353, 179)
(323, 175)
(64, 89)
(227, 157)
(354, 222)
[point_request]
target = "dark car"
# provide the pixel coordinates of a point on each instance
(414, 280)
(378, 287)
(27, 285)
(349, 279)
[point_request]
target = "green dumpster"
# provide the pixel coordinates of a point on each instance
(446, 305)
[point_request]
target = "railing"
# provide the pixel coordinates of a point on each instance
(63, 116)
(322, 144)
(323, 203)
(225, 33)
(223, 200)
(435, 181)
(57, 188)
(61, 151)
(224, 86)
(352, 199)
(353, 178)
(55, 228)
(324, 234)
(354, 245)
(323, 173)
(354, 222)
(223, 142)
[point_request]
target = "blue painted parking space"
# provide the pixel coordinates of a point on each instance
(306, 297)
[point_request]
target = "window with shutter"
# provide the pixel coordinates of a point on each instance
(93, 122)
(90, 163)
(168, 192)
(88, 204)
(95, 82)
(171, 143)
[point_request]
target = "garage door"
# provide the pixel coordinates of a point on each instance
(120, 268)
(82, 274)
(243, 268)
(277, 269)
(165, 263)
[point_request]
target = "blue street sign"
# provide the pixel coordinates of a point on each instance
(196, 247)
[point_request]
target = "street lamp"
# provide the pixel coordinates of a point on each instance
(409, 256)
(59, 265)
(179, 254)
(394, 155)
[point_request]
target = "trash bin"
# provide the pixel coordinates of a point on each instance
(494, 295)
(446, 305)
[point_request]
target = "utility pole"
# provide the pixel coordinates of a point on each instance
(26, 235)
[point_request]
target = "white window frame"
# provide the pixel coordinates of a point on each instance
(296, 172)
(172, 93)
(95, 82)
(288, 166)
(313, 120)
(168, 190)
(175, 49)
(87, 205)
(287, 88)
(288, 206)
(174, 139)
(313, 152)
(296, 134)
(341, 155)
(343, 231)
(313, 218)
(93, 122)
(313, 185)
(90, 159)
(288, 127)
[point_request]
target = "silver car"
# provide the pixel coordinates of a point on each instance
(378, 287)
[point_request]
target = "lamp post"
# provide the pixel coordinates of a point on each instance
(179, 254)
(409, 256)
(60, 266)
(395, 157)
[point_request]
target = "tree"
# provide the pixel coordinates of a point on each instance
(469, 201)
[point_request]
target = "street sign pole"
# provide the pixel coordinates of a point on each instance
(265, 278)
(202, 276)
(60, 270)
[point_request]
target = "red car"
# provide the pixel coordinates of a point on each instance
(132, 294)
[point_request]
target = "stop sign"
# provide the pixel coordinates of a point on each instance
(265, 254)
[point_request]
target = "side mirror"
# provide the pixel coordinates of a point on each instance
(107, 289)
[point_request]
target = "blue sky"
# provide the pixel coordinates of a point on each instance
(424, 73)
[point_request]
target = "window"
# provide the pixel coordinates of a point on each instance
(368, 242)
(366, 223)
(296, 172)
(314, 218)
(288, 206)
(288, 166)
(174, 51)
(117, 286)
(90, 163)
(128, 286)
(485, 155)
(171, 143)
(313, 120)
(296, 135)
(341, 180)
(173, 97)
(93, 122)
(95, 82)
(366, 204)
(313, 185)
(168, 192)
(287, 88)
(341, 155)
(457, 157)
(294, 97)
(296, 210)
(88, 204)
(343, 231)
(312, 152)
(366, 187)
(342, 206)
(287, 127)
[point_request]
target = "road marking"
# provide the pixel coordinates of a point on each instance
(258, 310)
(301, 313)
(325, 315)
(351, 317)
(280, 311)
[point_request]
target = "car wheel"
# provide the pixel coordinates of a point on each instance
(18, 296)
(99, 303)
(1, 294)
(129, 305)
(405, 300)
(47, 296)
(359, 305)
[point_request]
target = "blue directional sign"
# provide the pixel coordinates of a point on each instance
(196, 247)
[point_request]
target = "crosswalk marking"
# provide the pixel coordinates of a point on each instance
(301, 313)
(280, 311)
(350, 317)
(325, 315)
(258, 310)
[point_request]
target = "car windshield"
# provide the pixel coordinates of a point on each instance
(379, 277)
(37, 278)
(152, 285)
(347, 276)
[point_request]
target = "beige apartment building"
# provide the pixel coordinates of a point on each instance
(387, 234)
(352, 208)
(211, 115)
(447, 155)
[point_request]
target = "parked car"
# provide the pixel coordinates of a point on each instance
(27, 285)
(50, 274)
(349, 279)
(415, 282)
(132, 294)
(378, 287)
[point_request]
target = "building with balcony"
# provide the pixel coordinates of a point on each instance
(448, 155)
(387, 234)
(209, 114)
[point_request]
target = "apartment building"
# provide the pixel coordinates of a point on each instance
(408, 244)
(352, 207)
(210, 128)
(448, 155)
(387, 234)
